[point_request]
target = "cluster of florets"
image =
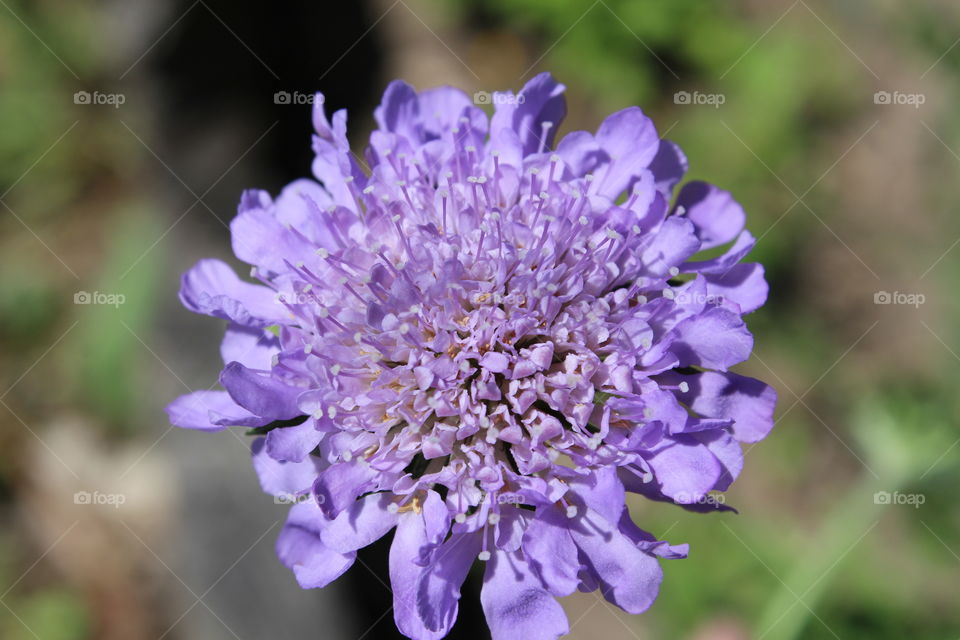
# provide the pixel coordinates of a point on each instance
(482, 341)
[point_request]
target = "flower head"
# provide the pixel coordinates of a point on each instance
(483, 341)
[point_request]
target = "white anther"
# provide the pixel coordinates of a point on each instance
(483, 556)
(674, 271)
(684, 387)
(583, 220)
(393, 507)
(460, 517)
(493, 518)
(331, 412)
(307, 348)
(335, 370)
(368, 189)
(571, 511)
(554, 158)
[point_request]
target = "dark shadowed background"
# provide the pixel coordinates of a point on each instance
(129, 129)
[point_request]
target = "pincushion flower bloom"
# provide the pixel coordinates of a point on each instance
(481, 342)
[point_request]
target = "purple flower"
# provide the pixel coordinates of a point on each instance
(482, 342)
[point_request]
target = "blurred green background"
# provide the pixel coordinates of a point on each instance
(833, 123)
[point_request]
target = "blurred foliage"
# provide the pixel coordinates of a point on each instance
(63, 175)
(107, 361)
